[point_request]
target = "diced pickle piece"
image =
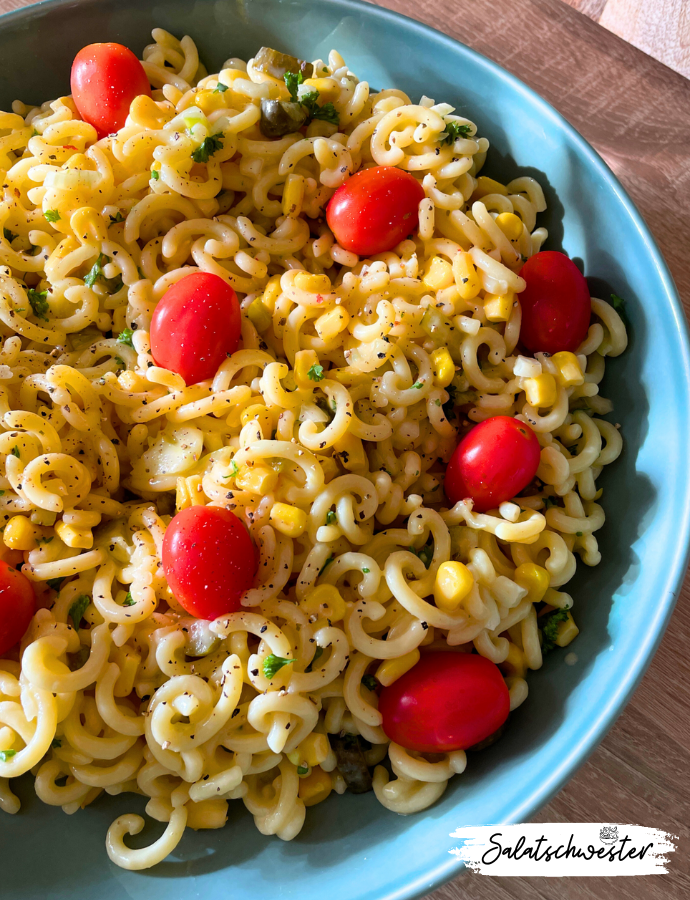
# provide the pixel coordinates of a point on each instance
(274, 63)
(279, 117)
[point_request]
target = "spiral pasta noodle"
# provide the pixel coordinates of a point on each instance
(327, 433)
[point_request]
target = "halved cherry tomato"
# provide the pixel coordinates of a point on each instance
(17, 606)
(374, 210)
(556, 306)
(209, 560)
(105, 79)
(493, 463)
(195, 326)
(448, 701)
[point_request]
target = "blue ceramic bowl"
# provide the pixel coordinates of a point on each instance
(350, 846)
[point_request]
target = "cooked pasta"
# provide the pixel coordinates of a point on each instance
(327, 433)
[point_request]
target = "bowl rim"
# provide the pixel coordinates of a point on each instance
(429, 880)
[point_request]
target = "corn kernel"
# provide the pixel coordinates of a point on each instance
(208, 101)
(331, 323)
(314, 749)
(257, 479)
(328, 88)
(466, 276)
(514, 663)
(486, 185)
(568, 368)
(443, 367)
(271, 293)
(510, 225)
(535, 579)
(438, 274)
(304, 360)
(74, 537)
(288, 520)
(567, 631)
(541, 391)
(313, 284)
(497, 307)
(392, 669)
(293, 195)
(325, 601)
(453, 583)
(349, 450)
(315, 787)
(258, 315)
(20, 534)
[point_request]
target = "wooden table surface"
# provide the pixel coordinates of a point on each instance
(636, 113)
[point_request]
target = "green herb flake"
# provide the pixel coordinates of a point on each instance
(5, 755)
(55, 583)
(618, 304)
(120, 361)
(454, 130)
(315, 373)
(273, 664)
(39, 303)
(125, 337)
(129, 599)
(56, 743)
(43, 540)
(366, 571)
(15, 451)
(302, 770)
(52, 215)
(292, 82)
(221, 89)
(549, 631)
(369, 682)
(96, 271)
(331, 517)
(78, 608)
(578, 534)
(2, 493)
(549, 502)
(155, 174)
(8, 235)
(234, 469)
(118, 217)
(326, 113)
(212, 144)
(327, 563)
(418, 385)
(317, 656)
(426, 554)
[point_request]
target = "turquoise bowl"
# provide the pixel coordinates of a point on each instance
(350, 846)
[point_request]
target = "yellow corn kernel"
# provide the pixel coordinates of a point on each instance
(443, 367)
(466, 276)
(315, 787)
(314, 749)
(498, 307)
(329, 466)
(514, 663)
(209, 101)
(349, 451)
(453, 583)
(257, 479)
(328, 88)
(313, 284)
(271, 293)
(288, 520)
(304, 360)
(293, 195)
(486, 185)
(535, 579)
(258, 315)
(541, 390)
(510, 225)
(331, 323)
(324, 601)
(567, 631)
(569, 372)
(438, 274)
(74, 537)
(20, 534)
(392, 669)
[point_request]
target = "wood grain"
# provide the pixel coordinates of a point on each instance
(636, 113)
(659, 27)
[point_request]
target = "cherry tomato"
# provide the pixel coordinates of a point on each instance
(448, 701)
(556, 307)
(209, 560)
(105, 79)
(374, 210)
(17, 606)
(195, 325)
(493, 463)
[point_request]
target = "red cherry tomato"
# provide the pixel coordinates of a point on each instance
(448, 701)
(17, 606)
(493, 463)
(556, 307)
(374, 210)
(195, 325)
(209, 560)
(105, 79)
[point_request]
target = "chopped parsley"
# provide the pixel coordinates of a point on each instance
(366, 571)
(78, 608)
(52, 215)
(221, 89)
(120, 361)
(96, 271)
(212, 144)
(273, 664)
(549, 502)
(369, 682)
(8, 235)
(125, 337)
(118, 217)
(578, 534)
(56, 743)
(327, 563)
(327, 112)
(155, 174)
(315, 373)
(618, 304)
(55, 583)
(549, 631)
(43, 540)
(317, 656)
(302, 770)
(454, 131)
(426, 553)
(15, 451)
(6, 754)
(234, 469)
(330, 517)
(418, 385)
(39, 303)
(129, 599)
